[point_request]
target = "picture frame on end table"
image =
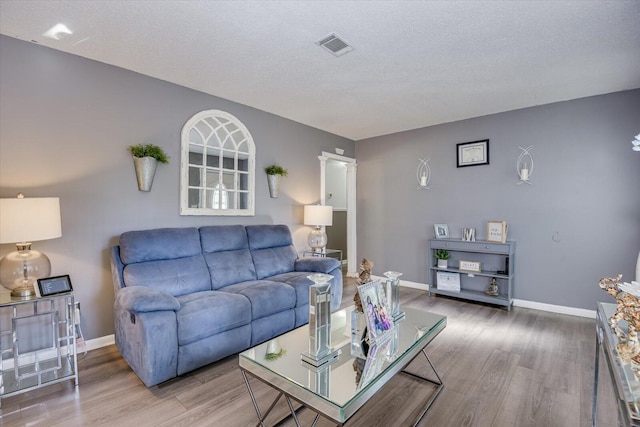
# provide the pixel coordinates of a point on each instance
(442, 231)
(497, 231)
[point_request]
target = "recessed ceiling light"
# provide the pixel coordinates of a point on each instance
(57, 32)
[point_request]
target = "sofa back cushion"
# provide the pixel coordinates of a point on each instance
(226, 252)
(168, 259)
(271, 249)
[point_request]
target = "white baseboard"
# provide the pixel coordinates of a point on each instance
(572, 311)
(100, 342)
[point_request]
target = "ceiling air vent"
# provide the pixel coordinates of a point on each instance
(335, 45)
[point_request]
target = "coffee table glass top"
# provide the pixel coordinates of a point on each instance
(333, 389)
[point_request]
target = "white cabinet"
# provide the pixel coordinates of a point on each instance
(496, 261)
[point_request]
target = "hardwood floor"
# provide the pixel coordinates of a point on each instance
(517, 368)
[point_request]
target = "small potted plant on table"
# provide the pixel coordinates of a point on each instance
(442, 255)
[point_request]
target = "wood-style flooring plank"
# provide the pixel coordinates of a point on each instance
(500, 368)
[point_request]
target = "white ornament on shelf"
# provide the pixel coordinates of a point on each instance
(636, 143)
(423, 173)
(524, 165)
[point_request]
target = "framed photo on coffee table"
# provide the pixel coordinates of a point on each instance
(374, 303)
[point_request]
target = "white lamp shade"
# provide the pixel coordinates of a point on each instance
(318, 215)
(29, 219)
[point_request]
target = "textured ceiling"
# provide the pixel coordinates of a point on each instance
(414, 64)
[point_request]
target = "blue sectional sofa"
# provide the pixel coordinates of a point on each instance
(186, 297)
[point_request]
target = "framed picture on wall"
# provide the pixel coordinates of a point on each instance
(497, 231)
(442, 231)
(473, 153)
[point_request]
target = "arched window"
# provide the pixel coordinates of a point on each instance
(217, 166)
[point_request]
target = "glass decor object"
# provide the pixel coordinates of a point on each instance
(22, 221)
(318, 216)
(393, 295)
(524, 165)
(319, 321)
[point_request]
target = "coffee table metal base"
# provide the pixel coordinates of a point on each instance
(261, 418)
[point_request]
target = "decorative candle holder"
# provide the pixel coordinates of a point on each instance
(524, 165)
(320, 351)
(393, 295)
(423, 173)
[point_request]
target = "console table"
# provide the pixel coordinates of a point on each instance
(626, 384)
(37, 342)
(496, 261)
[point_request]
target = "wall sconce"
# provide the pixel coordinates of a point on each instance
(524, 165)
(636, 143)
(423, 173)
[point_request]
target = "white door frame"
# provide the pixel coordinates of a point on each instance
(352, 269)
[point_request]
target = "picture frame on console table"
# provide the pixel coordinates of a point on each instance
(448, 281)
(374, 302)
(471, 266)
(497, 231)
(441, 230)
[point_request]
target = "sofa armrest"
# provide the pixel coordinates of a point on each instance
(316, 264)
(141, 299)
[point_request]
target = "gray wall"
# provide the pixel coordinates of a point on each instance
(65, 125)
(584, 187)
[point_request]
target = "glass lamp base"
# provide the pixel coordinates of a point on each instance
(23, 292)
(19, 271)
(317, 239)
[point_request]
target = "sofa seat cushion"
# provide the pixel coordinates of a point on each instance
(266, 297)
(203, 314)
(298, 281)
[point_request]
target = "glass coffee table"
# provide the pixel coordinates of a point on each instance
(339, 388)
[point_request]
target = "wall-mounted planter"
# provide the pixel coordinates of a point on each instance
(145, 171)
(274, 185)
(145, 160)
(274, 173)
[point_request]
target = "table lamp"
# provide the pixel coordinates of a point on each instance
(27, 220)
(318, 216)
